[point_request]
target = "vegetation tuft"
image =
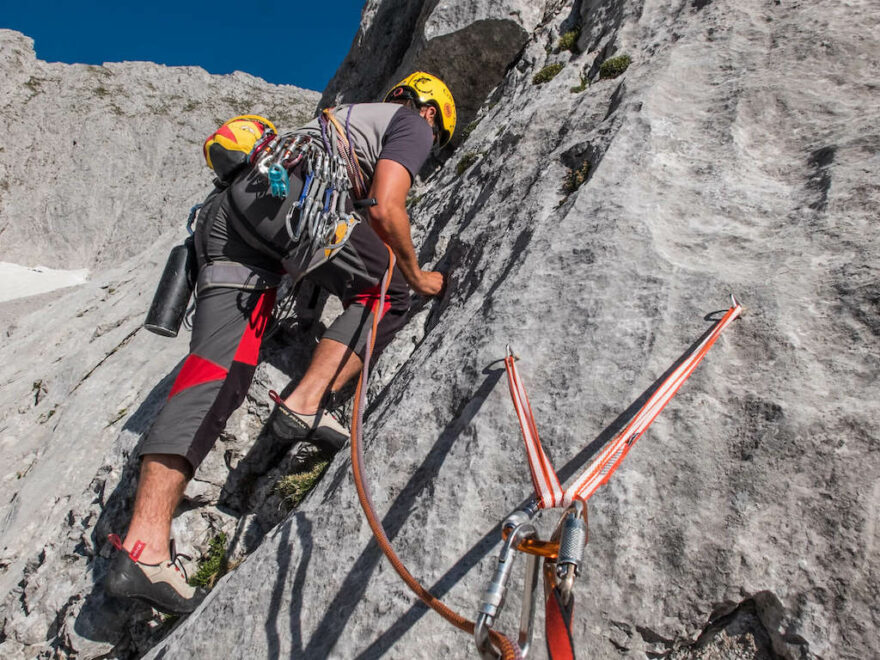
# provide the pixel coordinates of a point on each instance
(293, 488)
(585, 82)
(213, 564)
(575, 178)
(466, 161)
(466, 133)
(547, 74)
(568, 41)
(614, 66)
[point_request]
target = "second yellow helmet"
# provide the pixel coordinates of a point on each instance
(424, 88)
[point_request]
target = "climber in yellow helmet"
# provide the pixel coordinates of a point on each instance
(244, 240)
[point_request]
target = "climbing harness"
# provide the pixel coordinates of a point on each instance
(563, 552)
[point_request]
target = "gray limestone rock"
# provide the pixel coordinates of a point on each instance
(737, 153)
(397, 38)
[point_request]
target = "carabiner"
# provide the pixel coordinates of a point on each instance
(572, 539)
(496, 593)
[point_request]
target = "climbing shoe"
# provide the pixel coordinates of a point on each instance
(163, 585)
(321, 428)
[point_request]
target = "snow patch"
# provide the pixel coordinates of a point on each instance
(18, 281)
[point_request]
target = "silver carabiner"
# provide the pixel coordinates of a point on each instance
(496, 593)
(572, 539)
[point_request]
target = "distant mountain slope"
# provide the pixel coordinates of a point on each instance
(98, 161)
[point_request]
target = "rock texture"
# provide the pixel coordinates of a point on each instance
(398, 37)
(104, 180)
(738, 152)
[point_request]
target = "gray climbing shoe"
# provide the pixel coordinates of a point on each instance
(321, 428)
(163, 585)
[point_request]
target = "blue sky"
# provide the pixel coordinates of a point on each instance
(294, 43)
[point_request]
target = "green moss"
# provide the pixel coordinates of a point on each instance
(548, 73)
(466, 133)
(577, 89)
(213, 564)
(575, 178)
(568, 41)
(294, 487)
(466, 161)
(614, 66)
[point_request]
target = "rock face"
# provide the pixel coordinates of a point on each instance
(399, 37)
(99, 169)
(592, 223)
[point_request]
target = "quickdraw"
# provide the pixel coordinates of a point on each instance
(320, 213)
(563, 552)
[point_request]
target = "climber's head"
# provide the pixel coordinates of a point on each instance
(431, 98)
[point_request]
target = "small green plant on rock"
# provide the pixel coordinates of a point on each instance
(466, 133)
(466, 161)
(294, 487)
(575, 178)
(213, 564)
(585, 82)
(614, 66)
(548, 73)
(568, 41)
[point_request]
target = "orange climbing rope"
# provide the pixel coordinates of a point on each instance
(509, 650)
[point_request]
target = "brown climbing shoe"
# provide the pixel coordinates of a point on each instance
(161, 585)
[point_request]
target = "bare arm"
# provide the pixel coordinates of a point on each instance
(390, 220)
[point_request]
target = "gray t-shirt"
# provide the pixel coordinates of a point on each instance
(382, 130)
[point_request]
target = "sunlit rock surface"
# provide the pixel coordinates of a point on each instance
(737, 153)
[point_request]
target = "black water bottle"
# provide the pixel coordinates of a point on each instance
(174, 290)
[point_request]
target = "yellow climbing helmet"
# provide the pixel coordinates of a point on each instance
(423, 88)
(227, 148)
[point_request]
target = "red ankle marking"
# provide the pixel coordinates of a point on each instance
(137, 550)
(115, 540)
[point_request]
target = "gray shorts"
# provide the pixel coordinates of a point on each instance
(235, 296)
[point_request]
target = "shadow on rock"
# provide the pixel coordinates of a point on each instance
(385, 642)
(354, 585)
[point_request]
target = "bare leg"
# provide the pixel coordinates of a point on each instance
(332, 366)
(161, 485)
